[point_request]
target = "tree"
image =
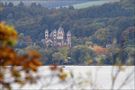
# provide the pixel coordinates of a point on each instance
(64, 51)
(33, 4)
(1, 6)
(21, 4)
(102, 36)
(81, 54)
(128, 36)
(71, 7)
(10, 4)
(10, 60)
(57, 57)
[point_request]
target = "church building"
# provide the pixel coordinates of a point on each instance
(57, 38)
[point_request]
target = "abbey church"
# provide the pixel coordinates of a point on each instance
(57, 38)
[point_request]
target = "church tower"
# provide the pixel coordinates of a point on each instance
(60, 36)
(46, 36)
(54, 37)
(69, 38)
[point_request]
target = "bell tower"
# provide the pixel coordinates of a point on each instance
(46, 36)
(69, 38)
(54, 37)
(60, 36)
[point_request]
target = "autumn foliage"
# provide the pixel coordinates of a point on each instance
(99, 50)
(12, 61)
(8, 35)
(16, 64)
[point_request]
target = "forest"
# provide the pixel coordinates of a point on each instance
(100, 34)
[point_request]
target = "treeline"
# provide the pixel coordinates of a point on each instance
(34, 19)
(110, 25)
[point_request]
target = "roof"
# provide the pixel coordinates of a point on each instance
(60, 29)
(46, 30)
(68, 33)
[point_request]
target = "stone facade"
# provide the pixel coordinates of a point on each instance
(57, 38)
